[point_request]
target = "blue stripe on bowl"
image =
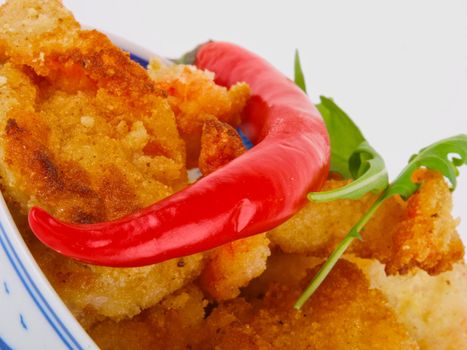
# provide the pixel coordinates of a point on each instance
(22, 321)
(143, 62)
(246, 141)
(5, 287)
(40, 301)
(4, 345)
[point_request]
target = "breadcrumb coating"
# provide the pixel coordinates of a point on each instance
(420, 232)
(344, 313)
(433, 308)
(233, 265)
(220, 144)
(427, 236)
(169, 325)
(195, 99)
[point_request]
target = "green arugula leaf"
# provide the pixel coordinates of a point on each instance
(345, 136)
(369, 170)
(298, 73)
(438, 156)
(351, 156)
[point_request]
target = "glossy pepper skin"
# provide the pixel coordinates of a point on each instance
(252, 194)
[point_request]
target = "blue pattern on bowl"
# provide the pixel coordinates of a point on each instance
(40, 301)
(4, 345)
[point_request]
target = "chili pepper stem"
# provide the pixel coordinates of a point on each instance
(337, 253)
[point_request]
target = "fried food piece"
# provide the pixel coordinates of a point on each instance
(427, 237)
(356, 306)
(420, 232)
(233, 265)
(169, 325)
(96, 293)
(32, 24)
(319, 227)
(195, 98)
(344, 313)
(98, 128)
(220, 144)
(88, 136)
(433, 308)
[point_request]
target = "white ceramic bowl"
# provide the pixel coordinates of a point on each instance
(32, 315)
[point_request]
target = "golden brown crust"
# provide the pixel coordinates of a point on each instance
(45, 179)
(344, 313)
(233, 266)
(427, 236)
(90, 136)
(195, 99)
(418, 233)
(169, 325)
(220, 144)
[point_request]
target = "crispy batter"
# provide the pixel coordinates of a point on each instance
(433, 308)
(427, 237)
(338, 316)
(220, 144)
(195, 98)
(233, 265)
(420, 232)
(88, 141)
(169, 325)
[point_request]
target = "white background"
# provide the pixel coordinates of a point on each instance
(399, 68)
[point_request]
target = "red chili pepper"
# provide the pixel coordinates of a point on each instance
(252, 194)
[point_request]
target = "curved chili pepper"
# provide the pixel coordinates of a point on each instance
(252, 194)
